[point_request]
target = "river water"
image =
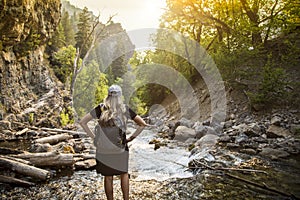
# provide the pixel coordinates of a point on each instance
(164, 163)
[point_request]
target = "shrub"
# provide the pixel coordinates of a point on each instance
(272, 87)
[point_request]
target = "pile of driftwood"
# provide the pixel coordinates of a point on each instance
(59, 149)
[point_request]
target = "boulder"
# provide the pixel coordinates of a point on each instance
(182, 133)
(207, 141)
(276, 131)
(200, 131)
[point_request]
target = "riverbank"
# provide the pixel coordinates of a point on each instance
(230, 165)
(207, 184)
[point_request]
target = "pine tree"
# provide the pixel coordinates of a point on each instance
(68, 29)
(82, 38)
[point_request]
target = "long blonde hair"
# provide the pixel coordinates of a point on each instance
(113, 108)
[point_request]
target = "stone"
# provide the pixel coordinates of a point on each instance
(228, 124)
(185, 122)
(182, 133)
(253, 130)
(276, 131)
(85, 164)
(276, 120)
(200, 131)
(224, 138)
(207, 141)
(232, 145)
(241, 138)
(211, 130)
(248, 151)
(273, 154)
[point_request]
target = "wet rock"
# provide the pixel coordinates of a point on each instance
(276, 131)
(273, 154)
(182, 133)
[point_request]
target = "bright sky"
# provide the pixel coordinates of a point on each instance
(132, 14)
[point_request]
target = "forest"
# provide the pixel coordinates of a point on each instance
(219, 84)
(255, 45)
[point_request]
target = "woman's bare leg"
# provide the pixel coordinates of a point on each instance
(108, 186)
(125, 186)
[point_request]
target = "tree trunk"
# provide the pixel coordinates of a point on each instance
(49, 159)
(54, 139)
(24, 169)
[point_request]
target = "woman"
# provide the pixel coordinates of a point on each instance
(112, 115)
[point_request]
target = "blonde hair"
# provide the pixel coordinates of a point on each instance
(114, 108)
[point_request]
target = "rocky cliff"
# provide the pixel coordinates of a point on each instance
(28, 90)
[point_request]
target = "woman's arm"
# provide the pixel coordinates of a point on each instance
(142, 124)
(83, 123)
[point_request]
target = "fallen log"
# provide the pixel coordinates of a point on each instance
(15, 181)
(59, 130)
(49, 159)
(5, 151)
(25, 169)
(54, 139)
(26, 162)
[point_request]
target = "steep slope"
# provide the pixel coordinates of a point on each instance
(25, 28)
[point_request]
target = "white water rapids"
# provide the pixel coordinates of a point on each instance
(145, 163)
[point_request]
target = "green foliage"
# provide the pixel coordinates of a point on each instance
(31, 118)
(83, 41)
(272, 88)
(64, 59)
(68, 30)
(66, 116)
(240, 36)
(101, 89)
(58, 40)
(138, 105)
(87, 91)
(32, 41)
(191, 147)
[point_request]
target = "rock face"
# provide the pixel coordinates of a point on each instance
(25, 28)
(23, 21)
